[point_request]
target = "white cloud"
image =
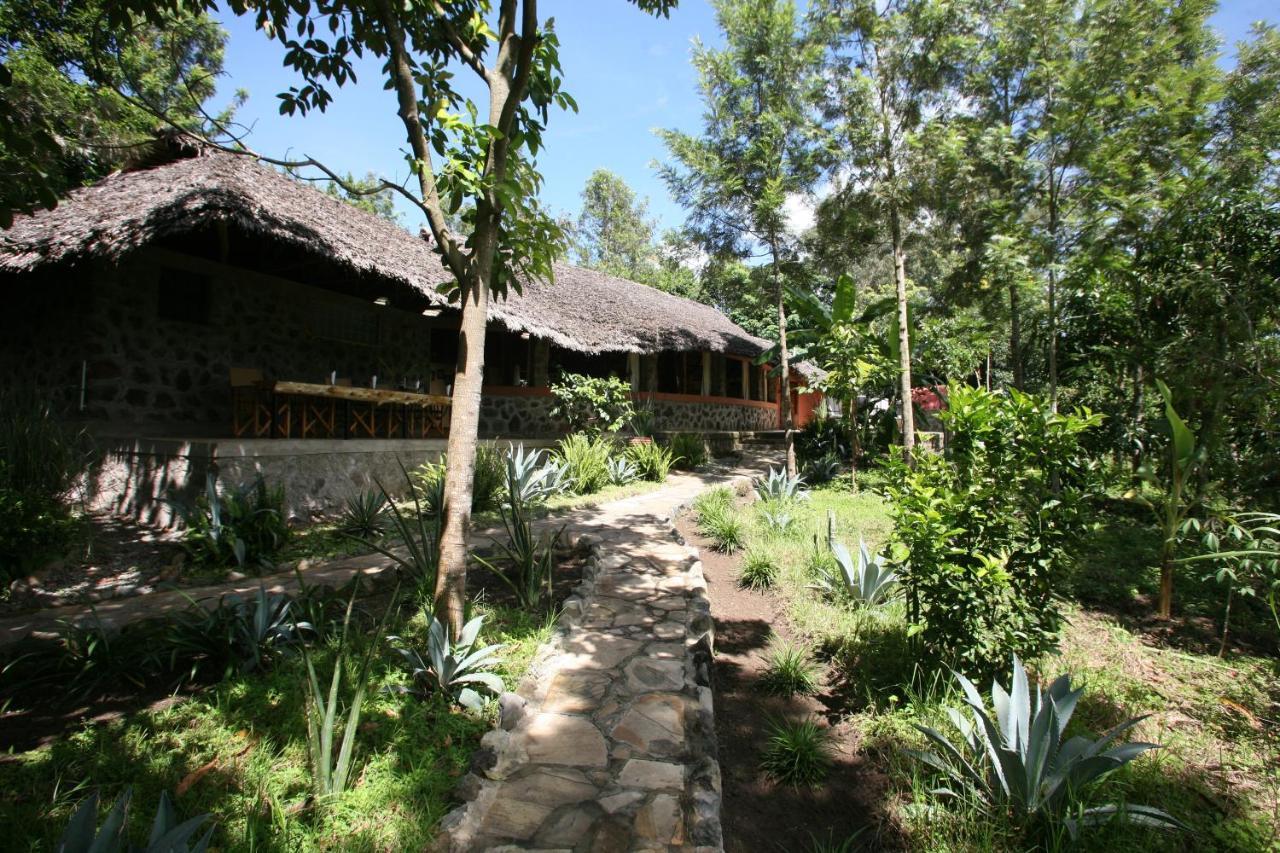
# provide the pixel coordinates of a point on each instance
(799, 209)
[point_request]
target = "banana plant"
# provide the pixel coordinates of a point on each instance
(868, 580)
(168, 835)
(1173, 507)
(1016, 761)
(451, 666)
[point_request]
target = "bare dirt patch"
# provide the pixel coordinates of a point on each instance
(758, 814)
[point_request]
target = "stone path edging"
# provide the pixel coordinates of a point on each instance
(609, 742)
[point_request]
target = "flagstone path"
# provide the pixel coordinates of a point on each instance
(609, 742)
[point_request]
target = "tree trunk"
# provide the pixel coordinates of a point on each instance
(852, 416)
(1015, 337)
(784, 357)
(1166, 581)
(1053, 339)
(464, 428)
(904, 337)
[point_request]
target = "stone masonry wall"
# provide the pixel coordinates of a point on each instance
(530, 415)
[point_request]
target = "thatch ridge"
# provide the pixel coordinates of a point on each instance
(582, 310)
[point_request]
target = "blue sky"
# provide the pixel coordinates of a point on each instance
(629, 73)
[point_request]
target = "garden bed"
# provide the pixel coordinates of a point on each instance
(236, 749)
(1216, 718)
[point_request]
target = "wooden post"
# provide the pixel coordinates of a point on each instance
(651, 372)
(633, 367)
(746, 379)
(706, 374)
(541, 373)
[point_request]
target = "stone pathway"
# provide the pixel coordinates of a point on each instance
(609, 742)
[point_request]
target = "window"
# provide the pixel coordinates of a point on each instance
(183, 296)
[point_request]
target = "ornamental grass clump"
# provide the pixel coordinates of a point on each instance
(790, 671)
(653, 461)
(797, 752)
(759, 570)
(586, 461)
(1015, 762)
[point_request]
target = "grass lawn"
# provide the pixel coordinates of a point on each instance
(1219, 770)
(238, 751)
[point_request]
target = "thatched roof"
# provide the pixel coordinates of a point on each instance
(582, 310)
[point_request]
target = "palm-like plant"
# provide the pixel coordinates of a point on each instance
(364, 516)
(868, 580)
(451, 666)
(1018, 763)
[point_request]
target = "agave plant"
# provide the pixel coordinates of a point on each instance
(239, 634)
(168, 835)
(622, 471)
(1018, 763)
(779, 487)
(777, 518)
(867, 581)
(532, 477)
(451, 666)
(824, 469)
(531, 558)
(364, 516)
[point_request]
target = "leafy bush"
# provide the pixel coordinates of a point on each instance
(487, 481)
(982, 529)
(869, 580)
(822, 438)
(778, 487)
(32, 529)
(82, 834)
(41, 461)
(622, 471)
(689, 449)
(1016, 763)
(652, 461)
(586, 462)
(790, 671)
(824, 469)
(244, 527)
(591, 404)
(450, 667)
(797, 753)
(644, 420)
(364, 516)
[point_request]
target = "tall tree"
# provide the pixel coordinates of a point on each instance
(613, 233)
(460, 149)
(756, 150)
(366, 193)
(885, 66)
(69, 87)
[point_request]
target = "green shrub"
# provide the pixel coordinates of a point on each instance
(797, 753)
(586, 461)
(487, 481)
(689, 450)
(591, 404)
(823, 437)
(981, 530)
(790, 671)
(759, 571)
(41, 461)
(242, 527)
(652, 461)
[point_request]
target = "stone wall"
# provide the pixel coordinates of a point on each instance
(146, 479)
